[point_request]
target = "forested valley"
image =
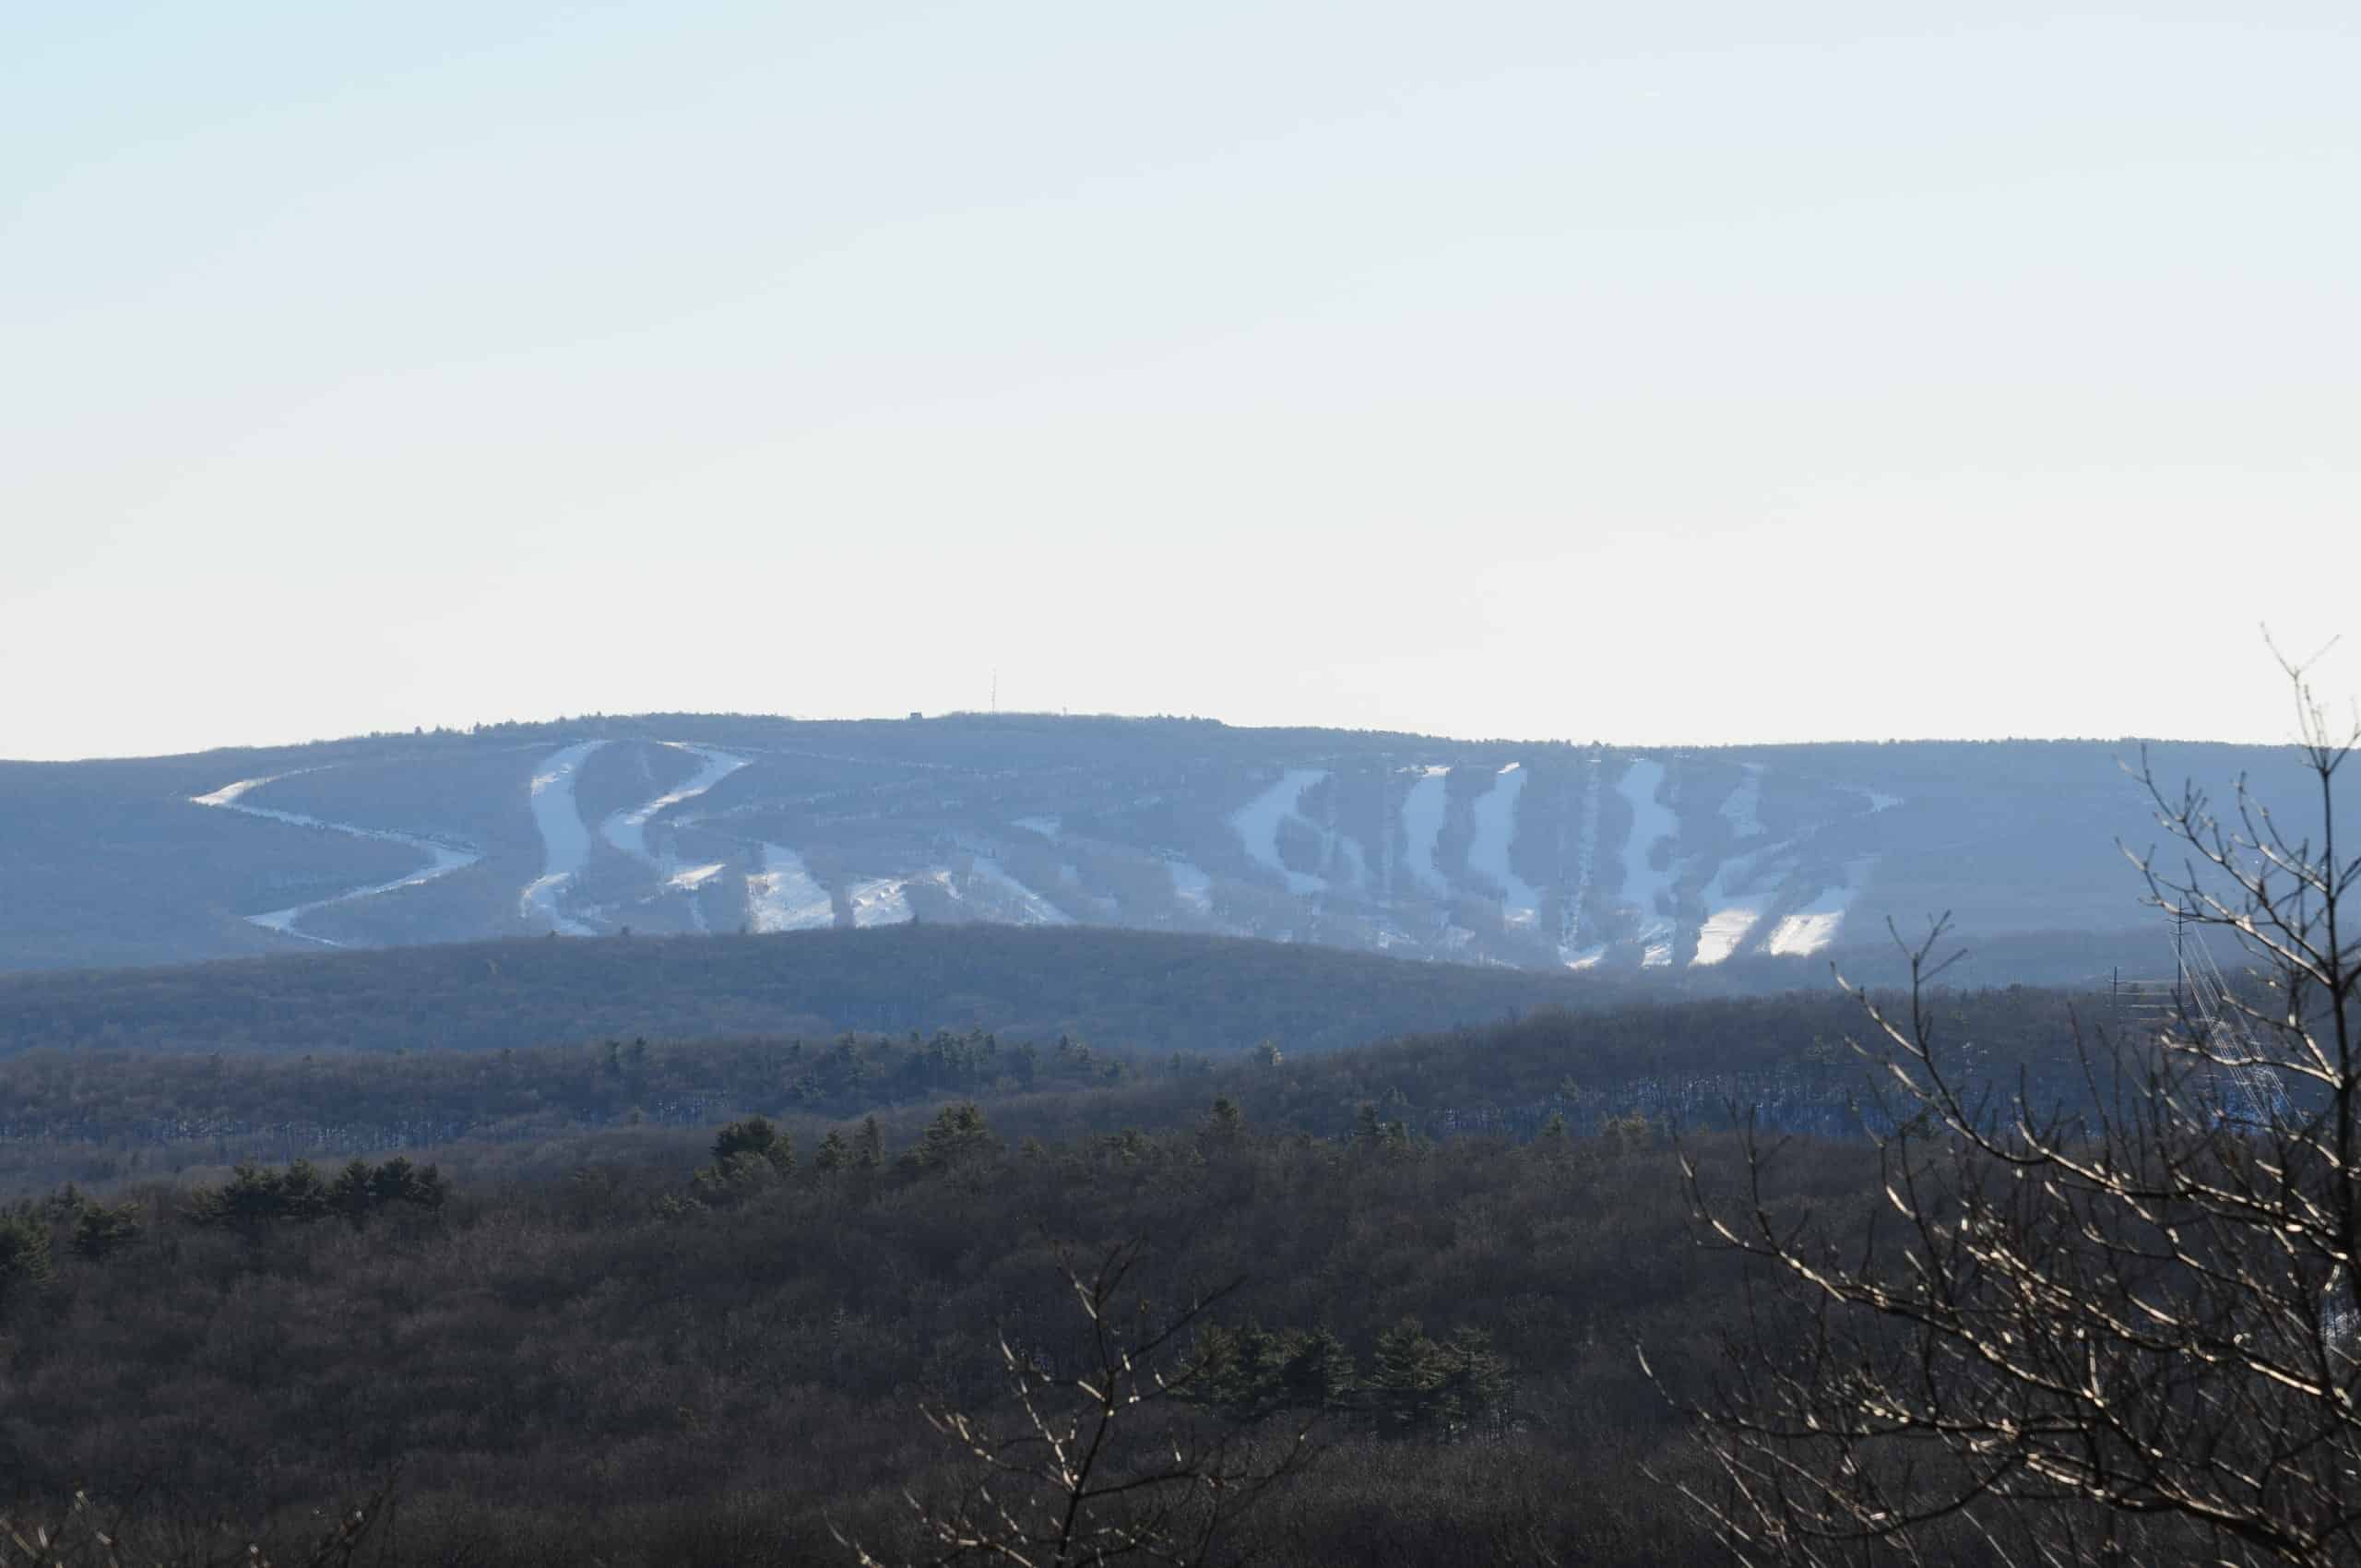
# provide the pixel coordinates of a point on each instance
(633, 1299)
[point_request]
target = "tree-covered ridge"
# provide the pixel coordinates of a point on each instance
(1539, 854)
(1141, 990)
(97, 1115)
(664, 1363)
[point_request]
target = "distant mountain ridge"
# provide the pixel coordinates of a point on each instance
(1539, 856)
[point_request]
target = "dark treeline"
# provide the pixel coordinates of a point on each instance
(1151, 991)
(722, 1358)
(98, 1116)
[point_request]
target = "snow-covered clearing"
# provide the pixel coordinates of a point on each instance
(1725, 928)
(628, 830)
(1735, 902)
(1587, 958)
(1651, 822)
(1049, 827)
(1586, 859)
(442, 859)
(688, 879)
(566, 842)
(1258, 821)
(785, 895)
(1743, 809)
(884, 900)
(1192, 886)
(1028, 907)
(1422, 817)
(1489, 855)
(1878, 801)
(1814, 926)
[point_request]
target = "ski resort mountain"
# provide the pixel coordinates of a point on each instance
(1549, 856)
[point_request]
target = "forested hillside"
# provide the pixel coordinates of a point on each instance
(1737, 865)
(1136, 989)
(103, 1114)
(722, 1358)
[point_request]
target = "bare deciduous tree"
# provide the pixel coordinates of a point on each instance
(2116, 1331)
(1106, 1463)
(80, 1539)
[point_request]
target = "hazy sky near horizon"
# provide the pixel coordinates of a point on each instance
(1690, 373)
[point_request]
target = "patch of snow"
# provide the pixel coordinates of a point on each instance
(1651, 822)
(1587, 958)
(1029, 906)
(1349, 861)
(442, 859)
(628, 830)
(785, 895)
(1657, 956)
(1814, 926)
(1585, 859)
(1423, 818)
(882, 901)
(1735, 903)
(1489, 855)
(1879, 802)
(688, 879)
(1049, 827)
(1258, 821)
(229, 794)
(1725, 929)
(1192, 886)
(566, 842)
(1742, 810)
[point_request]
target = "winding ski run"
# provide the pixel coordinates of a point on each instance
(442, 859)
(628, 830)
(566, 842)
(565, 837)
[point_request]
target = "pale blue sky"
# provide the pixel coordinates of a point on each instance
(1713, 372)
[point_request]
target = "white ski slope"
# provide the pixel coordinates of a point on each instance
(1028, 907)
(1191, 887)
(1743, 809)
(1257, 823)
(1489, 855)
(1422, 815)
(442, 859)
(565, 841)
(785, 895)
(1732, 911)
(628, 830)
(882, 901)
(1814, 926)
(1651, 822)
(1586, 861)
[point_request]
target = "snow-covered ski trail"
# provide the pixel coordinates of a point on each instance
(1644, 888)
(565, 841)
(1028, 907)
(785, 895)
(880, 901)
(1422, 818)
(442, 859)
(628, 830)
(1814, 926)
(1257, 825)
(1495, 814)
